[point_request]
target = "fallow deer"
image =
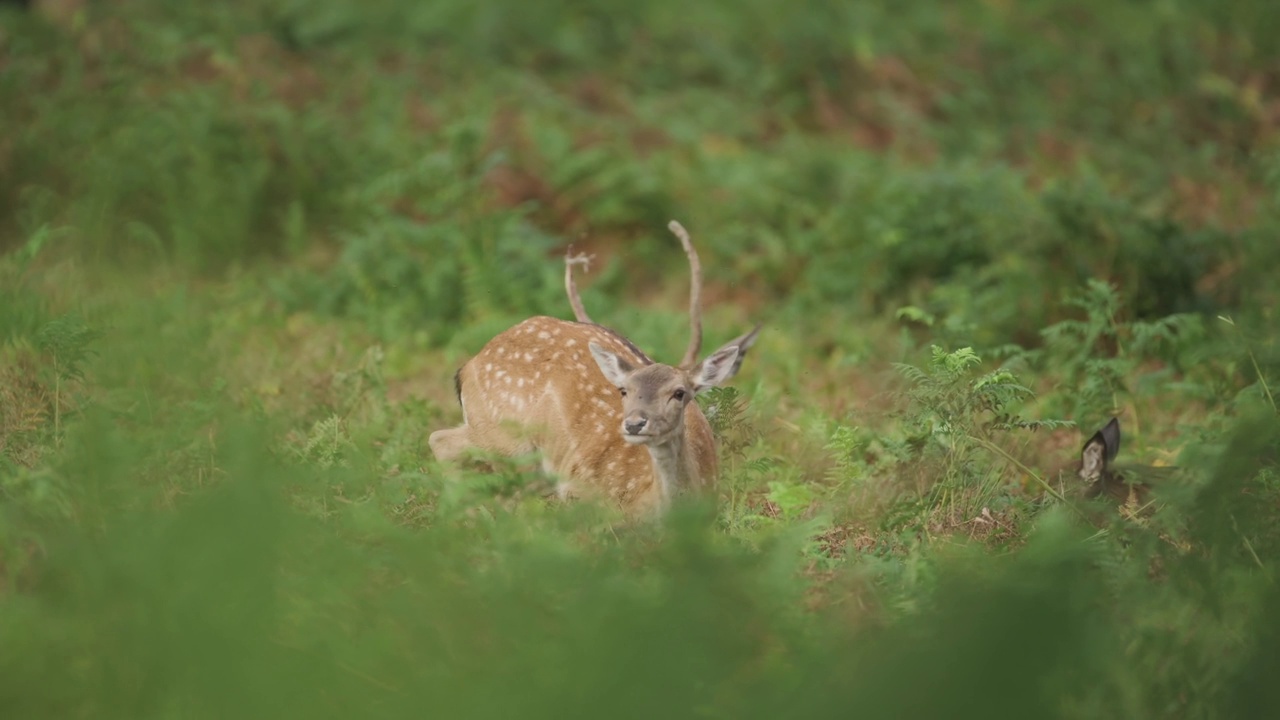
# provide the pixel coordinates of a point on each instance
(607, 420)
(1096, 469)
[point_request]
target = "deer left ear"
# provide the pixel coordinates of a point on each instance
(744, 343)
(718, 367)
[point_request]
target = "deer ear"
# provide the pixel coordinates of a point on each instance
(744, 343)
(615, 368)
(1093, 459)
(718, 367)
(1111, 438)
(1100, 450)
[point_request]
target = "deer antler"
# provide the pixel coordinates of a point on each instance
(695, 295)
(570, 287)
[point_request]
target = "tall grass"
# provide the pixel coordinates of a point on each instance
(241, 602)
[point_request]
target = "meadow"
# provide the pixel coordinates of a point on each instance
(245, 245)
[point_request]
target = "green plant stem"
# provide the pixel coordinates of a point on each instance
(1014, 461)
(1263, 381)
(57, 404)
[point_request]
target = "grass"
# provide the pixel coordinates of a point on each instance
(244, 247)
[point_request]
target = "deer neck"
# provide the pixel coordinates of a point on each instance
(671, 468)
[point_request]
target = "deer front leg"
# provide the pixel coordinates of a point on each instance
(448, 444)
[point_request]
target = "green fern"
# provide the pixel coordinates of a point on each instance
(722, 406)
(951, 412)
(947, 404)
(327, 444)
(1099, 354)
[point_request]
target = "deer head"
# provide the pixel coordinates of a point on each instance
(654, 396)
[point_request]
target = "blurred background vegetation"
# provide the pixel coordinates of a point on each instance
(244, 245)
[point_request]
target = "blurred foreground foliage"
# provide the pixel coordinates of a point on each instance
(241, 602)
(244, 245)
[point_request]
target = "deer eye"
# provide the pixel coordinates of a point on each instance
(678, 394)
(623, 391)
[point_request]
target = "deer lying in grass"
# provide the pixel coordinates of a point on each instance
(607, 420)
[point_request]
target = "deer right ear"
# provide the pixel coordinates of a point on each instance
(615, 369)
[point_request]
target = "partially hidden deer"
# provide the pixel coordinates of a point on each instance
(607, 420)
(1105, 480)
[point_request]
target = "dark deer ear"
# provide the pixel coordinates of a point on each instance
(1104, 445)
(1111, 436)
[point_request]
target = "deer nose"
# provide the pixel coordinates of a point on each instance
(634, 427)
